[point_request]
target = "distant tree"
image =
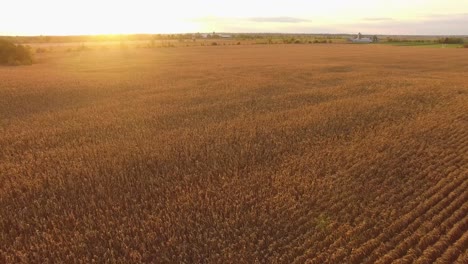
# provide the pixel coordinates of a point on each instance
(450, 41)
(393, 40)
(375, 39)
(11, 54)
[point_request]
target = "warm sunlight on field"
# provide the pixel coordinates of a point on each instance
(235, 154)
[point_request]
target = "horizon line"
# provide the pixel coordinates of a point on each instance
(225, 32)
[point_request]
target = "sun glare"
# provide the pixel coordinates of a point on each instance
(99, 17)
(117, 19)
(72, 17)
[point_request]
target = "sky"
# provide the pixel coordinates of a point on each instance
(78, 17)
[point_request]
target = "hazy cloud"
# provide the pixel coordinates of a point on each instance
(278, 19)
(428, 25)
(376, 19)
(425, 24)
(445, 16)
(250, 19)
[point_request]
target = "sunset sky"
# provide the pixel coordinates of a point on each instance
(72, 17)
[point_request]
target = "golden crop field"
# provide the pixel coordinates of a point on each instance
(236, 154)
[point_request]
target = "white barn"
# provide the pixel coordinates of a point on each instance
(225, 36)
(360, 39)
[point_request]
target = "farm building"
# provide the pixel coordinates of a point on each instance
(360, 39)
(224, 36)
(214, 35)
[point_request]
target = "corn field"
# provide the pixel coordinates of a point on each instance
(236, 154)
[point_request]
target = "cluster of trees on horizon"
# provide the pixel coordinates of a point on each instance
(443, 40)
(15, 51)
(11, 54)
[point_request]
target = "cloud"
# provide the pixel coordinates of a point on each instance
(428, 26)
(278, 19)
(376, 19)
(249, 19)
(424, 24)
(445, 16)
(252, 24)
